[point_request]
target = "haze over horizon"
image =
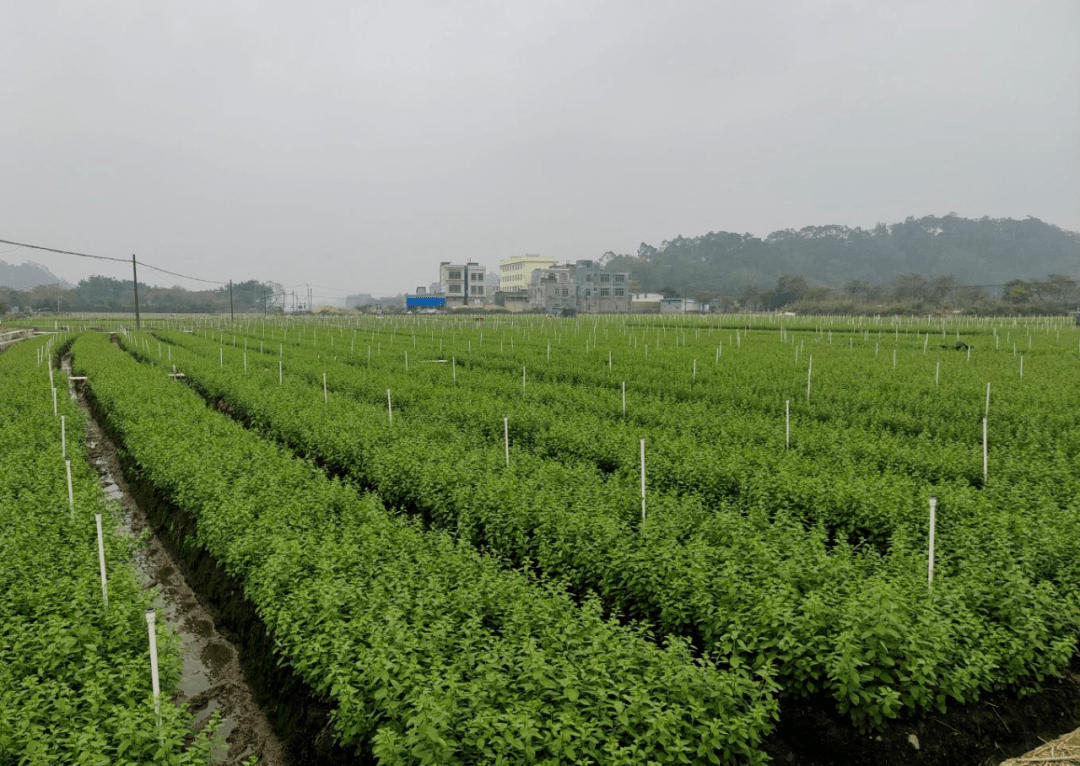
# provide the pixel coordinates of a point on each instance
(354, 146)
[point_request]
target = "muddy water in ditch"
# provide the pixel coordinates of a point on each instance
(212, 679)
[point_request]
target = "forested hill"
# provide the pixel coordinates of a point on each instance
(27, 275)
(985, 252)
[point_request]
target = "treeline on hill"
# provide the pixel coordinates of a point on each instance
(986, 265)
(105, 294)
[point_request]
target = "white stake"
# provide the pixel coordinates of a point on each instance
(245, 361)
(71, 493)
(894, 358)
(522, 378)
(787, 424)
(933, 524)
(54, 402)
(389, 407)
(279, 375)
(325, 398)
(985, 463)
(406, 361)
(643, 480)
(506, 438)
(987, 413)
(453, 366)
(101, 562)
(221, 356)
(624, 398)
(155, 681)
(695, 370)
(809, 373)
(63, 436)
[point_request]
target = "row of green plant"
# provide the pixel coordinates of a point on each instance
(849, 475)
(429, 651)
(756, 583)
(75, 683)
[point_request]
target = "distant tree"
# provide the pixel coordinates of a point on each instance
(1017, 291)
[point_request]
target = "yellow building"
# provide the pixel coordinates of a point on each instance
(515, 272)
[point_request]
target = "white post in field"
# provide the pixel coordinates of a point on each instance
(787, 424)
(389, 407)
(624, 398)
(643, 480)
(101, 562)
(933, 525)
(71, 493)
(809, 374)
(506, 438)
(155, 680)
(63, 436)
(325, 398)
(985, 461)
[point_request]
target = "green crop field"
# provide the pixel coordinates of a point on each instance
(622, 539)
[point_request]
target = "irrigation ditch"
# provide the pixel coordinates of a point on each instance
(229, 663)
(266, 713)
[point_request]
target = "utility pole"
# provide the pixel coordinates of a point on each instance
(230, 302)
(135, 280)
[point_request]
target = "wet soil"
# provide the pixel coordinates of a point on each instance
(212, 679)
(999, 727)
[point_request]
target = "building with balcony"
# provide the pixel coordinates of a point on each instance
(584, 286)
(462, 284)
(600, 291)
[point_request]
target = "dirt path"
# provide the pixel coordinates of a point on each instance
(212, 679)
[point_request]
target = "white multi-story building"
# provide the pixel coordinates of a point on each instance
(462, 283)
(515, 272)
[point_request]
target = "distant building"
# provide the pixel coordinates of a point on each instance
(552, 288)
(462, 284)
(514, 300)
(515, 272)
(645, 303)
(680, 306)
(583, 286)
(600, 291)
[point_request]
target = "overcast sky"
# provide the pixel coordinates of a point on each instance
(354, 145)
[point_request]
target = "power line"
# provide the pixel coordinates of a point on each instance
(107, 258)
(64, 252)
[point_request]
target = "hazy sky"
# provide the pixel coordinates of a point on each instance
(354, 145)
